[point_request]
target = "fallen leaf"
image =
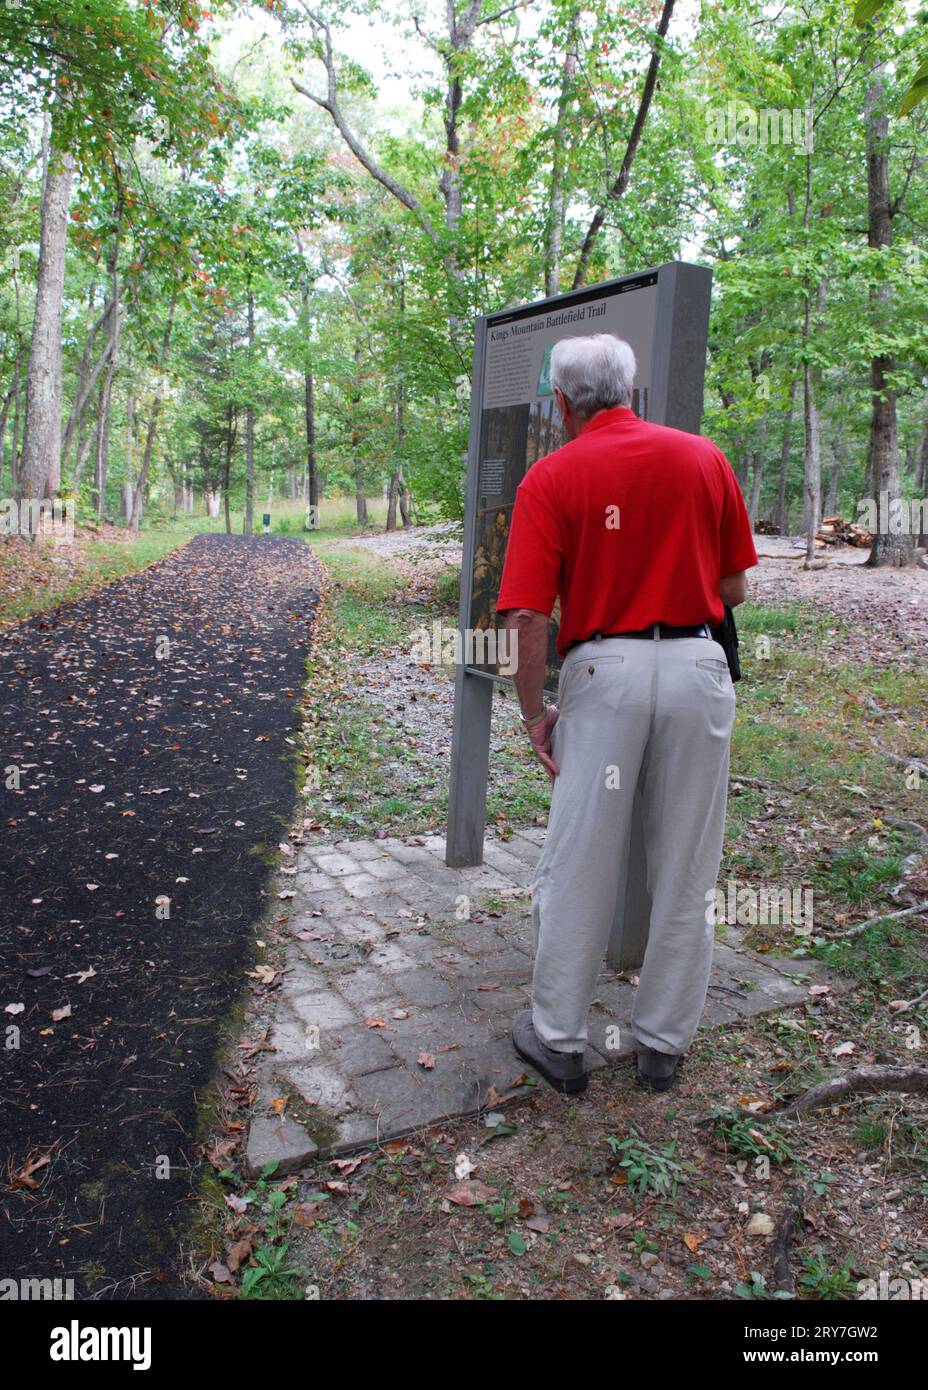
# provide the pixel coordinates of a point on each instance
(463, 1167)
(239, 1252)
(470, 1194)
(760, 1224)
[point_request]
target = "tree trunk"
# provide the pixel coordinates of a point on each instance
(834, 477)
(921, 460)
(15, 451)
(812, 471)
(87, 372)
(7, 402)
(757, 472)
(554, 229)
(312, 469)
(41, 472)
(782, 510)
(130, 460)
(921, 474)
(227, 469)
(359, 492)
(392, 499)
(103, 440)
(396, 475)
(249, 524)
(106, 388)
(889, 548)
(142, 480)
(812, 461)
(83, 450)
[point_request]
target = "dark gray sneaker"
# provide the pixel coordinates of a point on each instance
(657, 1071)
(562, 1070)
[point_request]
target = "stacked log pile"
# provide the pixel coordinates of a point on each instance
(834, 530)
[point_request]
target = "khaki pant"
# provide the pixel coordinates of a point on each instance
(653, 714)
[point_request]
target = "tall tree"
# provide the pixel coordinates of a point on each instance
(891, 546)
(41, 469)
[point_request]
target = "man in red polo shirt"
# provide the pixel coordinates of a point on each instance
(643, 533)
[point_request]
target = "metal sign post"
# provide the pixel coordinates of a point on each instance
(664, 314)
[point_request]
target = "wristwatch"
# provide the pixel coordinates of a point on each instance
(534, 719)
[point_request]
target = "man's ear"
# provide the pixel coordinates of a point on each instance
(562, 404)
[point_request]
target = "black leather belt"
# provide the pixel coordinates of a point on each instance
(665, 630)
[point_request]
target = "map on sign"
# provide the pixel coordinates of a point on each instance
(519, 419)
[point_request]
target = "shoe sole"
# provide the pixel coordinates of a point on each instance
(566, 1087)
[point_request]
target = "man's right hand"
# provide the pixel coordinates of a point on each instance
(540, 738)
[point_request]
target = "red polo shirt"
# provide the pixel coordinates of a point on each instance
(632, 524)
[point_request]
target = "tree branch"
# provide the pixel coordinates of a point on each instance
(330, 104)
(492, 18)
(634, 139)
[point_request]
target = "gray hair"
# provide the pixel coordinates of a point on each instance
(595, 373)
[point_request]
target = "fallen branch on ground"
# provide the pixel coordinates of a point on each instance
(901, 1006)
(735, 778)
(883, 917)
(903, 762)
(782, 1271)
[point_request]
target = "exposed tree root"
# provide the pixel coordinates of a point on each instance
(858, 1081)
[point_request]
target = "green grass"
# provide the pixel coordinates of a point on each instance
(337, 517)
(44, 586)
(809, 728)
(352, 741)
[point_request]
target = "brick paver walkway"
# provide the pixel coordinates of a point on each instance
(400, 985)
